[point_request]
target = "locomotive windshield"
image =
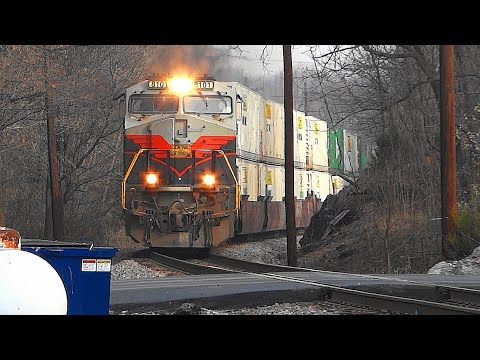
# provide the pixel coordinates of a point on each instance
(153, 104)
(207, 104)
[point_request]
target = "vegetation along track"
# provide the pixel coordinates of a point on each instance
(448, 299)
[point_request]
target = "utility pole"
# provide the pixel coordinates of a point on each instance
(289, 160)
(448, 183)
(56, 190)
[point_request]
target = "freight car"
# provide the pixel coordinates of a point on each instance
(204, 161)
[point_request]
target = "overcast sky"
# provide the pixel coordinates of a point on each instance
(251, 57)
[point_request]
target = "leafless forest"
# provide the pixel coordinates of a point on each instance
(82, 83)
(389, 93)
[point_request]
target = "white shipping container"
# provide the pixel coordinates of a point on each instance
(248, 127)
(318, 143)
(272, 181)
(299, 145)
(321, 184)
(300, 183)
(248, 178)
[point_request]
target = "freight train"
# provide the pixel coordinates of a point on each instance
(204, 162)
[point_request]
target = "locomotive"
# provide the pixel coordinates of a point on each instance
(204, 162)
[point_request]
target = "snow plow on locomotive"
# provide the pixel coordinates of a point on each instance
(203, 162)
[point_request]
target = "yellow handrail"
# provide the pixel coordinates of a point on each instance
(127, 174)
(237, 198)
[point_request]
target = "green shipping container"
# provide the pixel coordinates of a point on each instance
(362, 154)
(335, 149)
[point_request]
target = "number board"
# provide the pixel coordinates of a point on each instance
(204, 85)
(155, 84)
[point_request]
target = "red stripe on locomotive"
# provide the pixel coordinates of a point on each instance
(212, 142)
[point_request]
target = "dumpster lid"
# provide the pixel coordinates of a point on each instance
(52, 243)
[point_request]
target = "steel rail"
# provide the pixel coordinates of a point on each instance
(185, 266)
(397, 304)
(251, 266)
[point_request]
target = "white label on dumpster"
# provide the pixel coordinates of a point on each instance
(89, 265)
(104, 265)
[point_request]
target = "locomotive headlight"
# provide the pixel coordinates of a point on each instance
(181, 85)
(209, 179)
(151, 179)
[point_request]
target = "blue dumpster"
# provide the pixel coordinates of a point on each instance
(84, 270)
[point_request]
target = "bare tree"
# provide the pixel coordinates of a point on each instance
(84, 81)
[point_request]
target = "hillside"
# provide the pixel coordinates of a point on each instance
(352, 233)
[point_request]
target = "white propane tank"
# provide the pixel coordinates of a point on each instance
(29, 285)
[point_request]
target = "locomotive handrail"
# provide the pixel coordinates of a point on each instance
(237, 200)
(127, 174)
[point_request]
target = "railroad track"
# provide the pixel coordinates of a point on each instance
(459, 296)
(275, 234)
(248, 266)
(186, 267)
(213, 264)
(448, 300)
(445, 294)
